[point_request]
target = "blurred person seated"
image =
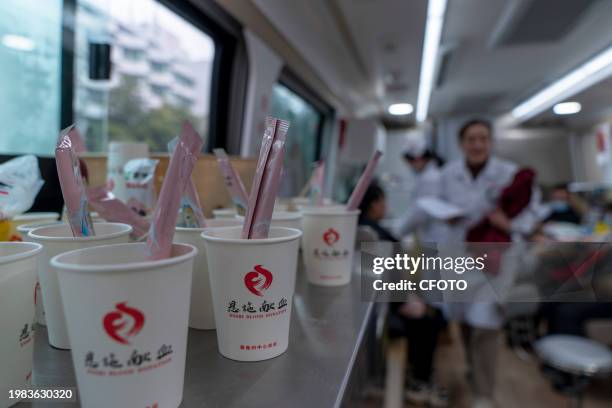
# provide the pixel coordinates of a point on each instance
(563, 206)
(418, 322)
(373, 209)
(421, 324)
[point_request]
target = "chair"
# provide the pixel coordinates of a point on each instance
(571, 362)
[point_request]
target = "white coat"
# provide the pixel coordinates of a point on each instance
(416, 220)
(478, 197)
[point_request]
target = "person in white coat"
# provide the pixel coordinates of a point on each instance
(426, 168)
(474, 184)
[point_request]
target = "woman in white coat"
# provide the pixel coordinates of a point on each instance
(474, 183)
(426, 168)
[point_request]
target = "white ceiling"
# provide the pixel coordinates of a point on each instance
(596, 107)
(369, 51)
(496, 79)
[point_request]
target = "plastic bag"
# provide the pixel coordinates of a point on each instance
(20, 182)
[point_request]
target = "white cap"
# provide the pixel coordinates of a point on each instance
(415, 147)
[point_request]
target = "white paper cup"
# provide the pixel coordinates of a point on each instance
(124, 308)
(300, 201)
(329, 244)
(224, 213)
(252, 282)
(285, 219)
(95, 217)
(55, 240)
(201, 315)
(306, 207)
(297, 202)
(17, 277)
(23, 229)
(38, 217)
(38, 303)
(282, 204)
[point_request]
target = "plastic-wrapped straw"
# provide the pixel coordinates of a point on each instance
(266, 180)
(363, 183)
(161, 233)
(114, 210)
(190, 211)
(71, 182)
(234, 184)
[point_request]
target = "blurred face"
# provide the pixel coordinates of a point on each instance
(559, 195)
(417, 164)
(377, 210)
(476, 144)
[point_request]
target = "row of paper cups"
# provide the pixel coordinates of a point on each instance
(126, 318)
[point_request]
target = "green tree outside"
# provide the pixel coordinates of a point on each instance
(128, 121)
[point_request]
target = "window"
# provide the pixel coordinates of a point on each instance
(158, 90)
(30, 57)
(133, 55)
(158, 67)
(184, 80)
(304, 137)
(161, 73)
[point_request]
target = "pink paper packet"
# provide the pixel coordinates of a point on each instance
(71, 182)
(234, 184)
(316, 188)
(266, 181)
(363, 183)
(190, 211)
(114, 210)
(78, 144)
(178, 176)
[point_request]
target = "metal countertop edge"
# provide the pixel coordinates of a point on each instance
(349, 371)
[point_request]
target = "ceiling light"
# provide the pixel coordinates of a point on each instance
(567, 108)
(594, 70)
(433, 33)
(18, 42)
(400, 109)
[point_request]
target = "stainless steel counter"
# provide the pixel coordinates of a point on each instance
(327, 330)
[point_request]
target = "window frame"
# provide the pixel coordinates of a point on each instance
(295, 84)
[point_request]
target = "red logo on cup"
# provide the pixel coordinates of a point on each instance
(116, 322)
(331, 236)
(258, 280)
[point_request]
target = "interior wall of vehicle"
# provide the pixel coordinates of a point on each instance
(528, 147)
(252, 18)
(590, 165)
